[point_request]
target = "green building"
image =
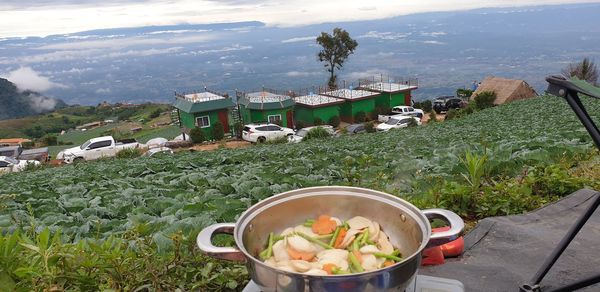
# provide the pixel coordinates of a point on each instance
(355, 101)
(264, 106)
(391, 93)
(203, 110)
(313, 106)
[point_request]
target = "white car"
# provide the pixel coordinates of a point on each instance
(300, 134)
(259, 133)
(97, 148)
(9, 164)
(408, 111)
(397, 122)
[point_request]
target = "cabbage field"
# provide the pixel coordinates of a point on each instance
(167, 199)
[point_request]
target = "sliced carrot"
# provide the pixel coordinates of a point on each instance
(324, 225)
(388, 263)
(297, 255)
(358, 255)
(340, 237)
(329, 268)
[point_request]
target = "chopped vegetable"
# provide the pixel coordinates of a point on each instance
(329, 268)
(314, 240)
(297, 255)
(340, 237)
(309, 222)
(387, 256)
(354, 263)
(334, 237)
(268, 252)
(388, 263)
(324, 225)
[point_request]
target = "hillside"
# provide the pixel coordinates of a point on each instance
(537, 151)
(16, 103)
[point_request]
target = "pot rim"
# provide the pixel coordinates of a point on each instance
(242, 222)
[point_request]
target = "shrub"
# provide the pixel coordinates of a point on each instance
(360, 117)
(197, 135)
(372, 116)
(51, 140)
(382, 110)
(432, 117)
(316, 133)
(484, 99)
(218, 131)
(301, 124)
(154, 114)
(463, 92)
(27, 145)
(318, 121)
(280, 140)
(369, 127)
(412, 123)
(425, 105)
(335, 121)
(451, 114)
(129, 153)
(238, 127)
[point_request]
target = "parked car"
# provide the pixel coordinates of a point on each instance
(355, 129)
(408, 111)
(396, 122)
(97, 148)
(259, 133)
(9, 164)
(445, 103)
(300, 134)
(17, 152)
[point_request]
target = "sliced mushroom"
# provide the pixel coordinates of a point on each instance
(271, 262)
(374, 231)
(306, 230)
(336, 254)
(279, 251)
(300, 266)
(287, 231)
(369, 262)
(350, 235)
(300, 244)
(338, 222)
(316, 272)
(384, 243)
(369, 249)
(359, 222)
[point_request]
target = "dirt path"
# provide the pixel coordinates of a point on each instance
(438, 117)
(214, 146)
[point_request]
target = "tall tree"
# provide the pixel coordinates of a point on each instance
(336, 50)
(584, 70)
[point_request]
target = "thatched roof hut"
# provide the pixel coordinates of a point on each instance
(506, 90)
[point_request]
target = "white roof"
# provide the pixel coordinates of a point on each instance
(388, 86)
(315, 99)
(202, 96)
(350, 93)
(265, 96)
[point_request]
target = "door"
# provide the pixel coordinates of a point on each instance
(407, 98)
(223, 118)
(290, 119)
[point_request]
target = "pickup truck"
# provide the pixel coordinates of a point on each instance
(17, 152)
(401, 110)
(97, 148)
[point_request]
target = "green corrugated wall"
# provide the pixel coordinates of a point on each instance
(254, 116)
(188, 120)
(308, 115)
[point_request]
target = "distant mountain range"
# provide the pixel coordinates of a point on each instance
(445, 51)
(16, 104)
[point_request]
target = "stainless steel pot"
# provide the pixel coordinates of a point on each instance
(407, 226)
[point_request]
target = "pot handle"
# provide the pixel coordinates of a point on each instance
(204, 242)
(456, 226)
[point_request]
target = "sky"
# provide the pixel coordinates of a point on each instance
(20, 18)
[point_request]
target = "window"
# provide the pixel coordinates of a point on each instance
(405, 121)
(100, 144)
(274, 119)
(274, 128)
(3, 164)
(263, 128)
(203, 121)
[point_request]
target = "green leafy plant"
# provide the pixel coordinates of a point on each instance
(484, 99)
(316, 133)
(369, 127)
(129, 153)
(474, 165)
(360, 117)
(318, 121)
(197, 135)
(218, 132)
(335, 121)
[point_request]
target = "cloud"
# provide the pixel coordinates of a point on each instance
(434, 43)
(367, 8)
(28, 79)
(433, 34)
(120, 43)
(41, 103)
(234, 47)
(365, 74)
(299, 39)
(388, 35)
(301, 74)
(102, 90)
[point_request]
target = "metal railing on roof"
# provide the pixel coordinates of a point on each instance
(384, 82)
(218, 95)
